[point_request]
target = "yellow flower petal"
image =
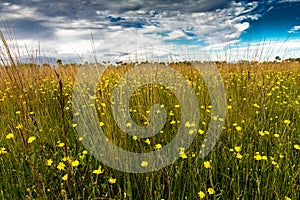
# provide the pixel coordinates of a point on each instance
(31, 139)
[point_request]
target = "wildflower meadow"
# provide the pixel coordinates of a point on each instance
(256, 157)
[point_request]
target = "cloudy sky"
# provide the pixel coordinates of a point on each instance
(155, 29)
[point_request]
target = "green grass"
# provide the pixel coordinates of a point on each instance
(262, 119)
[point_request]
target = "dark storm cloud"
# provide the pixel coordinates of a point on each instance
(138, 13)
(26, 28)
(176, 5)
(85, 9)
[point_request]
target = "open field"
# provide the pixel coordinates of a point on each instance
(256, 157)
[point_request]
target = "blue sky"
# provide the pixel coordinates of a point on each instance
(155, 29)
(276, 23)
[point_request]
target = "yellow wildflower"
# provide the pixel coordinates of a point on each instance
(144, 164)
(263, 133)
(257, 157)
(61, 144)
(3, 150)
(264, 157)
(173, 122)
(239, 156)
(147, 141)
(201, 194)
(287, 121)
(61, 166)
(10, 136)
(238, 148)
(134, 137)
(75, 163)
(66, 159)
(98, 171)
(297, 146)
(255, 105)
(49, 162)
(207, 164)
(183, 155)
(84, 152)
(65, 177)
(238, 128)
(211, 191)
(274, 162)
(267, 132)
(19, 126)
(281, 156)
(31, 139)
(112, 180)
(188, 124)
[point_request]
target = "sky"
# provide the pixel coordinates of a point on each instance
(174, 30)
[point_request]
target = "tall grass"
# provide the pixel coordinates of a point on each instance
(256, 157)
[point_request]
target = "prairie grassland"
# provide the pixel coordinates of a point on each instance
(256, 157)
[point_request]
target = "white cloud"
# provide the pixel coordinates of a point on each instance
(134, 25)
(294, 29)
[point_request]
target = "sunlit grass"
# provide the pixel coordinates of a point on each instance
(256, 157)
